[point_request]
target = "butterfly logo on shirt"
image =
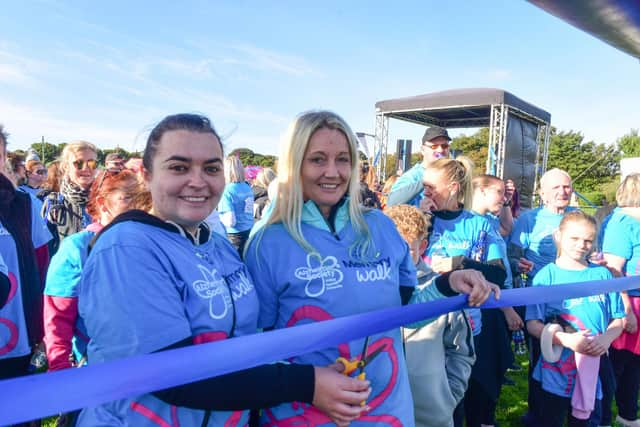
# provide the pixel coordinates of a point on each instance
(214, 288)
(321, 274)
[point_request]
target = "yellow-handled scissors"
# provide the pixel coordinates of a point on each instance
(359, 363)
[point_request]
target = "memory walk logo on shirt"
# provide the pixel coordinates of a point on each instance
(321, 274)
(449, 241)
(574, 302)
(213, 288)
(371, 271)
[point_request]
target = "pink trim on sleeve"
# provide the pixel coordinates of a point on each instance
(60, 314)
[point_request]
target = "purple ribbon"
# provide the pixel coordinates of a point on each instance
(39, 396)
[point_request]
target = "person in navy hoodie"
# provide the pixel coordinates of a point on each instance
(335, 258)
(161, 280)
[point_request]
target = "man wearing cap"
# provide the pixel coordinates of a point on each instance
(408, 189)
(114, 162)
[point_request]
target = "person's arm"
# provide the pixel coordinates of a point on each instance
(506, 221)
(5, 288)
(264, 386)
(602, 342)
(577, 341)
(403, 192)
(615, 264)
(459, 353)
(514, 322)
(60, 314)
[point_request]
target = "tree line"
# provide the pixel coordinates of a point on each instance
(595, 167)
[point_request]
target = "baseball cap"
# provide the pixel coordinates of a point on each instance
(434, 132)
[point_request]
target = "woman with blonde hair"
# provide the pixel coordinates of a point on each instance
(260, 191)
(341, 259)
(621, 248)
(236, 204)
(66, 209)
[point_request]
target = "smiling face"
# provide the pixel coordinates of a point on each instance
(556, 191)
(186, 179)
(326, 169)
(81, 168)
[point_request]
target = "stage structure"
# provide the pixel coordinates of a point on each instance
(518, 131)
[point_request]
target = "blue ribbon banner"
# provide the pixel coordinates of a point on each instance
(39, 396)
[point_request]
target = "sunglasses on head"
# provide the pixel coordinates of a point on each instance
(81, 164)
(110, 172)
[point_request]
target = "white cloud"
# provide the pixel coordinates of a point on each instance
(27, 125)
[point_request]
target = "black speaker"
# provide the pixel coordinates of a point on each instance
(403, 154)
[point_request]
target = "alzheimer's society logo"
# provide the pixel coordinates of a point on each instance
(321, 274)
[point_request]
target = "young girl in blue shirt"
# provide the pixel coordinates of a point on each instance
(574, 333)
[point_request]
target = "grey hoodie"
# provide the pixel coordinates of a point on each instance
(446, 342)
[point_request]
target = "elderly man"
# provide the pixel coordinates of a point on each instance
(409, 188)
(531, 245)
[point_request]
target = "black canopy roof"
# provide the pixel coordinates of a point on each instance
(457, 108)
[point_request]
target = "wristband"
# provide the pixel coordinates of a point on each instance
(507, 204)
(551, 352)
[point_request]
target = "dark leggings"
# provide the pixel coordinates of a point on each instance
(626, 366)
(556, 409)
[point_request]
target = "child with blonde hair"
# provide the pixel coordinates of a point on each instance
(439, 354)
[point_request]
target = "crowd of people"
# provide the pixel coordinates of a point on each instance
(182, 247)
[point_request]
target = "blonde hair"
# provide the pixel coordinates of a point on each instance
(628, 192)
(289, 200)
(233, 169)
(70, 150)
(411, 222)
(264, 177)
(460, 171)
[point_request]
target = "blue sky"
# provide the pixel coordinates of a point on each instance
(106, 72)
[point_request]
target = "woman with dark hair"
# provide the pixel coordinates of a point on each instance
(162, 280)
(65, 338)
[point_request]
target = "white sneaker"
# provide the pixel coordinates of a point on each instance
(627, 423)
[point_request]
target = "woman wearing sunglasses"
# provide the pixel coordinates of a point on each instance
(36, 177)
(66, 210)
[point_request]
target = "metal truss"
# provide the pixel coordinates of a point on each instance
(380, 145)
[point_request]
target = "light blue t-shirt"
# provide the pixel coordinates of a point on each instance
(621, 237)
(502, 247)
(238, 199)
(14, 340)
(408, 189)
(296, 288)
(457, 236)
(63, 278)
(145, 288)
(593, 312)
(533, 232)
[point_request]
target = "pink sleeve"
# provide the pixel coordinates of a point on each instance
(42, 260)
(60, 314)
